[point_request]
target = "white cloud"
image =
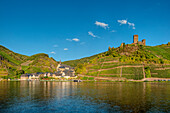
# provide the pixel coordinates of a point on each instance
(122, 21)
(101, 24)
(52, 52)
(55, 45)
(131, 24)
(91, 34)
(69, 39)
(113, 31)
(126, 22)
(65, 49)
(76, 39)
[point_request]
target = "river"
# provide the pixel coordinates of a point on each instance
(100, 97)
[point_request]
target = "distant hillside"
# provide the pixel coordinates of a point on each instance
(14, 64)
(127, 61)
(74, 63)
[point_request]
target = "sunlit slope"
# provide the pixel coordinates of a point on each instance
(74, 63)
(160, 51)
(131, 62)
(13, 64)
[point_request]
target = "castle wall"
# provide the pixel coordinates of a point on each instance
(144, 42)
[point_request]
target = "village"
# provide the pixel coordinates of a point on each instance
(63, 72)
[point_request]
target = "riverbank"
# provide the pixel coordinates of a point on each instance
(99, 80)
(86, 77)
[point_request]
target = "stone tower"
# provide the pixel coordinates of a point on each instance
(144, 42)
(135, 39)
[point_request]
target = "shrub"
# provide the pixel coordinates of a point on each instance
(147, 72)
(84, 78)
(80, 69)
(91, 78)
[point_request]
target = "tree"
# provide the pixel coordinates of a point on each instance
(80, 69)
(19, 73)
(109, 48)
(161, 61)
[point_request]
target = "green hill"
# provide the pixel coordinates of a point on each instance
(14, 64)
(128, 61)
(74, 63)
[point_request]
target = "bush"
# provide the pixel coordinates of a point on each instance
(80, 69)
(91, 78)
(84, 78)
(4, 77)
(147, 72)
(19, 72)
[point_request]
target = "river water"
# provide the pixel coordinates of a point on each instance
(66, 97)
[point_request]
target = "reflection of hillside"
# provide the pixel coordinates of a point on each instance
(137, 97)
(129, 96)
(33, 91)
(8, 91)
(46, 90)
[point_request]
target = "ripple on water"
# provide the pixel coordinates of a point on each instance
(64, 97)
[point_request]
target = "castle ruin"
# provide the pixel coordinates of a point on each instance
(135, 41)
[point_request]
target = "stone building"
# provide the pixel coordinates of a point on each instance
(65, 70)
(144, 42)
(135, 41)
(28, 76)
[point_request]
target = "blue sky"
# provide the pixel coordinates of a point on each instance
(72, 29)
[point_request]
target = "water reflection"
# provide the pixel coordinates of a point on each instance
(35, 96)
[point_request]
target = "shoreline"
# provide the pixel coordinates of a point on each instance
(144, 80)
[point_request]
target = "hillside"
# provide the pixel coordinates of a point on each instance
(14, 64)
(74, 63)
(127, 61)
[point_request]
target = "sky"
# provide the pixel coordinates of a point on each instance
(73, 29)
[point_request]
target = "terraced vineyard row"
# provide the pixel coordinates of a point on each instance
(111, 67)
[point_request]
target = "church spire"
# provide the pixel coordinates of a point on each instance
(60, 61)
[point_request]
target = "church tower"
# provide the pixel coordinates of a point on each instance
(59, 65)
(60, 61)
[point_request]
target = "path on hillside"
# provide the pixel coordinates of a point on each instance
(110, 61)
(162, 68)
(117, 67)
(104, 78)
(117, 74)
(101, 67)
(122, 78)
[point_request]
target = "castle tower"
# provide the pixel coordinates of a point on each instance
(135, 39)
(144, 42)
